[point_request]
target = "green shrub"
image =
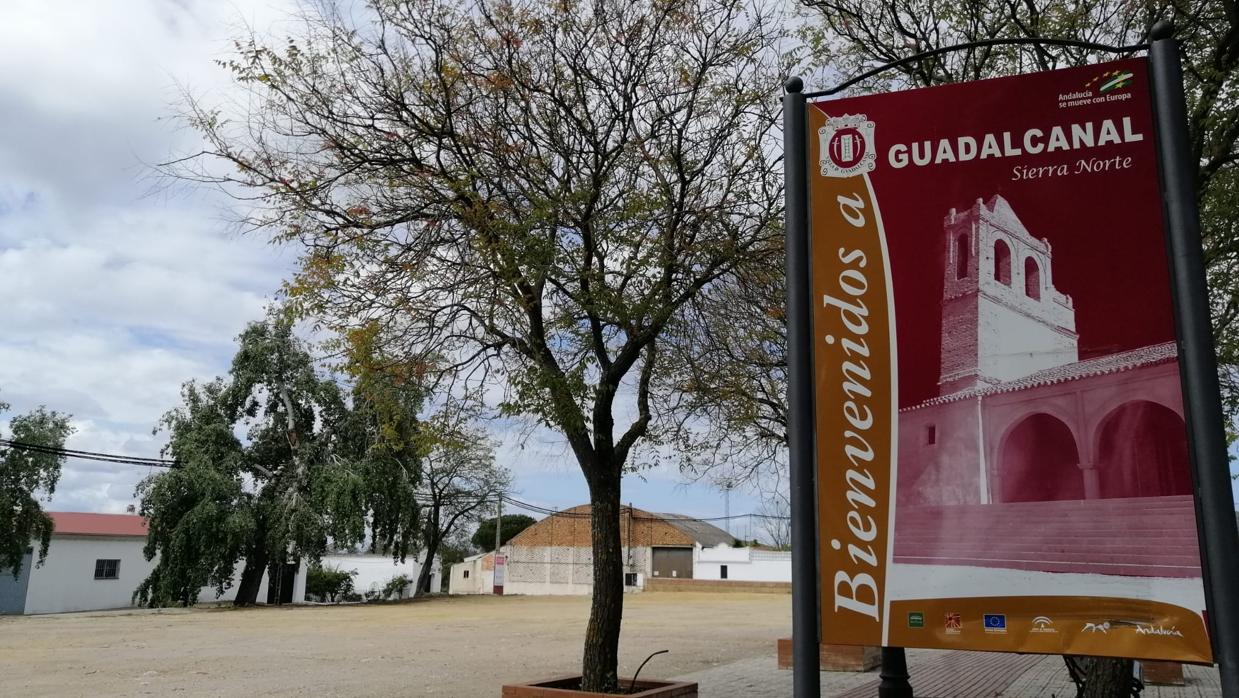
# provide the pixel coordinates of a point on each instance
(395, 586)
(329, 583)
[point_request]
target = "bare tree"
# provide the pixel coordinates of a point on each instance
(776, 510)
(528, 190)
(460, 479)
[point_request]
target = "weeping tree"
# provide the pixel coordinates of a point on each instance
(26, 476)
(527, 192)
(273, 463)
(200, 515)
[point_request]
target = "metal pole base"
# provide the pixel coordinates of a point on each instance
(894, 674)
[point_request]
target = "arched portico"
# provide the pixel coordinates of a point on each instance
(1141, 451)
(1038, 461)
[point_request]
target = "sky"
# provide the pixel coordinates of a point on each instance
(116, 287)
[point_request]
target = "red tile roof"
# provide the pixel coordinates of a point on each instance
(70, 523)
(1151, 355)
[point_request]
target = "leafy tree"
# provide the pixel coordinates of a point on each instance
(306, 469)
(484, 537)
(201, 518)
(529, 190)
(25, 477)
(386, 400)
(461, 478)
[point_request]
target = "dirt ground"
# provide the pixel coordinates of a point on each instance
(449, 646)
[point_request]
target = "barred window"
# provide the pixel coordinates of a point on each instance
(107, 569)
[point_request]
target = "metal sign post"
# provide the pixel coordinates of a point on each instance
(1202, 401)
(800, 423)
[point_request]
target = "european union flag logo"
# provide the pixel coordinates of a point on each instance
(995, 623)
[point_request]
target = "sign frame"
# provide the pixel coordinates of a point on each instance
(1209, 459)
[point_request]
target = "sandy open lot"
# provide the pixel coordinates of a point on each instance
(452, 646)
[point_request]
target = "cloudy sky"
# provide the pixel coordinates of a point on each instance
(116, 289)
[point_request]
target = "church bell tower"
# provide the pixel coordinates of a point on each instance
(1002, 317)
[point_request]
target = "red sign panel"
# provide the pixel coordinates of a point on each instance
(1002, 457)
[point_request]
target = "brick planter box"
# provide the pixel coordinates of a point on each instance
(835, 657)
(1163, 673)
(560, 688)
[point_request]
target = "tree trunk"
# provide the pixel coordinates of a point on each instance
(423, 575)
(433, 537)
(1108, 678)
(251, 576)
(601, 661)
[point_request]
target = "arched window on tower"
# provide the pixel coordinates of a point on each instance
(1032, 279)
(1002, 262)
(962, 256)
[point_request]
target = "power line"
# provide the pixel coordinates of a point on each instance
(421, 497)
(89, 455)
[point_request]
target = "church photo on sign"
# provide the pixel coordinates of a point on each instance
(1023, 428)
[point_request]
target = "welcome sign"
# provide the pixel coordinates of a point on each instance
(1002, 457)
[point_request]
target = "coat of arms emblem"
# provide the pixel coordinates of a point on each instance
(846, 146)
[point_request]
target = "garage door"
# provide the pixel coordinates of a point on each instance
(673, 562)
(13, 591)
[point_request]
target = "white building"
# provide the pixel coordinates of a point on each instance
(554, 556)
(474, 575)
(747, 564)
(95, 562)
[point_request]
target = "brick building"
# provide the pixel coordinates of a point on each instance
(554, 556)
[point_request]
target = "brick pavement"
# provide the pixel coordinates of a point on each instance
(939, 673)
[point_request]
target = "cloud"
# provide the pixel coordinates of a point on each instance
(114, 297)
(115, 291)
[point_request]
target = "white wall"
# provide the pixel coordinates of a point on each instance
(66, 581)
(556, 570)
(207, 594)
(374, 571)
(743, 564)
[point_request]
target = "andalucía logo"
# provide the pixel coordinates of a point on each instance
(846, 145)
(1043, 624)
(1111, 80)
(1158, 630)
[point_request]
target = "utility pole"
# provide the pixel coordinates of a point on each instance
(500, 563)
(498, 522)
(727, 505)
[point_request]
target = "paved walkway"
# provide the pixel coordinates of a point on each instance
(935, 674)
